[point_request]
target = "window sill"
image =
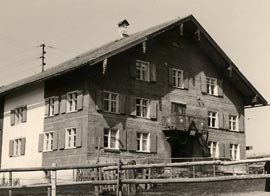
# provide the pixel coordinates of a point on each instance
(69, 148)
(47, 151)
(180, 88)
(114, 150)
(16, 156)
(143, 152)
(68, 112)
(213, 95)
(107, 112)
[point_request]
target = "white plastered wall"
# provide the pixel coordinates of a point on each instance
(33, 97)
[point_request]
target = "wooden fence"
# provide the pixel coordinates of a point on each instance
(126, 178)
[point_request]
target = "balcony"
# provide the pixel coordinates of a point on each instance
(183, 122)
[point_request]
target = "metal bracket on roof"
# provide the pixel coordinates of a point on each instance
(230, 69)
(104, 66)
(181, 29)
(144, 47)
(198, 35)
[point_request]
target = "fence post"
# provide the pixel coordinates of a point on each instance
(10, 183)
(193, 168)
(48, 173)
(119, 185)
(53, 181)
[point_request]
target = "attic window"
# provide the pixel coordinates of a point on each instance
(211, 86)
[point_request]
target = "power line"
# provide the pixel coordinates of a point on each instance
(18, 62)
(19, 53)
(19, 73)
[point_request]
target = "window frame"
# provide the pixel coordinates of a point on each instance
(178, 75)
(50, 139)
(18, 115)
(142, 107)
(212, 82)
(73, 139)
(211, 117)
(140, 142)
(17, 143)
(174, 105)
(110, 101)
(214, 149)
(235, 151)
(109, 139)
(71, 102)
(51, 106)
(141, 73)
(232, 121)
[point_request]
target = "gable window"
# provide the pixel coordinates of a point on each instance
(178, 78)
(233, 123)
(18, 112)
(70, 139)
(111, 138)
(211, 86)
(235, 151)
(178, 109)
(72, 101)
(51, 106)
(142, 107)
(212, 119)
(214, 149)
(18, 115)
(143, 142)
(110, 102)
(142, 70)
(17, 147)
(48, 141)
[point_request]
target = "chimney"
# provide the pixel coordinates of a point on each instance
(122, 25)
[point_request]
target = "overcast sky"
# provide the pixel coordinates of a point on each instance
(70, 27)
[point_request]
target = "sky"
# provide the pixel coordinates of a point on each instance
(70, 27)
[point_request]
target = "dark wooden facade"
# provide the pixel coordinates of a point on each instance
(167, 50)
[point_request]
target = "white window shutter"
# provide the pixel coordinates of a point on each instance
(23, 145)
(80, 100)
(40, 142)
(56, 106)
(11, 146)
(24, 114)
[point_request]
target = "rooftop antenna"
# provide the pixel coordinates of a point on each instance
(43, 52)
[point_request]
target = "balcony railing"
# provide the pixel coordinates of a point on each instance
(183, 122)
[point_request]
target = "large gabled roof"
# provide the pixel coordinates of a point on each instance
(99, 54)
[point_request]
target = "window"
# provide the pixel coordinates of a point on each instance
(214, 149)
(233, 123)
(111, 138)
(18, 115)
(143, 144)
(72, 102)
(18, 112)
(70, 140)
(17, 147)
(110, 102)
(51, 106)
(142, 70)
(211, 86)
(142, 107)
(178, 109)
(178, 78)
(235, 151)
(212, 119)
(48, 141)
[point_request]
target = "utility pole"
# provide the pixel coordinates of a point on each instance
(43, 52)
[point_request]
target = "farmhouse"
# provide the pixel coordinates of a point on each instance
(166, 92)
